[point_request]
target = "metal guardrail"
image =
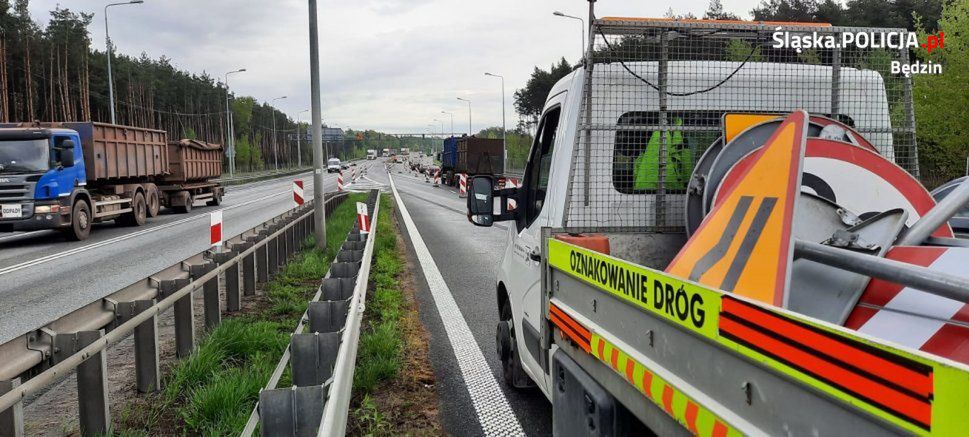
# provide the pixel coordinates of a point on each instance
(240, 179)
(323, 359)
(78, 340)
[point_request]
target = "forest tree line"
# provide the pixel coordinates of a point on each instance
(53, 74)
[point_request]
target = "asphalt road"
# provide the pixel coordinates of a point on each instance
(467, 258)
(43, 277)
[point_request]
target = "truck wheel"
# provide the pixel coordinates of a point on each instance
(139, 212)
(80, 222)
(216, 199)
(154, 202)
(187, 207)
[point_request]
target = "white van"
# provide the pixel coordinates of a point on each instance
(333, 165)
(586, 183)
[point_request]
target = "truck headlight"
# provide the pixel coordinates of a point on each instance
(46, 209)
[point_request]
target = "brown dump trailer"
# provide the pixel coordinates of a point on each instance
(99, 172)
(194, 160)
(114, 153)
(480, 156)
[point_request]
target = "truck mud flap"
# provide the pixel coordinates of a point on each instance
(585, 408)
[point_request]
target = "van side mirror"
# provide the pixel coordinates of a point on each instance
(67, 155)
(481, 201)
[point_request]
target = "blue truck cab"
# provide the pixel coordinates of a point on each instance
(40, 171)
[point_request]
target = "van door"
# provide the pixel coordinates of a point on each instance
(525, 269)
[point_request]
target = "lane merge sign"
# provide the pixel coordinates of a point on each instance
(745, 245)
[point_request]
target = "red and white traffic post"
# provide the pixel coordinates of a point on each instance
(463, 185)
(215, 229)
(437, 178)
(298, 193)
(339, 181)
(512, 183)
(363, 218)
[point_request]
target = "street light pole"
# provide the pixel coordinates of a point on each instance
(452, 121)
(299, 147)
(107, 47)
(504, 131)
(231, 140)
(559, 14)
(469, 114)
(318, 199)
(275, 149)
(442, 133)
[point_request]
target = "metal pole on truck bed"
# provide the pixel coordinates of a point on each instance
(317, 130)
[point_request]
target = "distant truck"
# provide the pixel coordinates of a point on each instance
(371, 154)
(67, 176)
(472, 156)
(386, 153)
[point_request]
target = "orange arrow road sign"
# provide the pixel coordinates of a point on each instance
(745, 244)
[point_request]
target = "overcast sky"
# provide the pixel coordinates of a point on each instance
(390, 65)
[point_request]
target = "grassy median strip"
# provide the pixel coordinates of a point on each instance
(393, 390)
(381, 343)
(213, 391)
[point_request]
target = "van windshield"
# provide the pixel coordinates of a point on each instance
(24, 156)
(334, 161)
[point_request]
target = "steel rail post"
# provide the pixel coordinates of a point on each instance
(94, 413)
(147, 372)
(12, 419)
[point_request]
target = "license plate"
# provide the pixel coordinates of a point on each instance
(13, 210)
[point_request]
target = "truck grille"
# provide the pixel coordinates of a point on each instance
(13, 191)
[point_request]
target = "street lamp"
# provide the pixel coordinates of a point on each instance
(559, 14)
(442, 132)
(451, 114)
(299, 147)
(231, 141)
(504, 138)
(469, 114)
(107, 42)
(275, 149)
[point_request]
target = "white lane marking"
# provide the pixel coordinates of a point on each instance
(494, 413)
(124, 237)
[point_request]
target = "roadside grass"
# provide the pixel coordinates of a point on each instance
(213, 391)
(380, 355)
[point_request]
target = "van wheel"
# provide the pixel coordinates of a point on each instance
(154, 202)
(507, 347)
(80, 222)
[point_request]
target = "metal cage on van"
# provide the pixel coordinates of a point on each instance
(655, 92)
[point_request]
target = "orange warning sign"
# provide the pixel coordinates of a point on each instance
(745, 244)
(735, 123)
